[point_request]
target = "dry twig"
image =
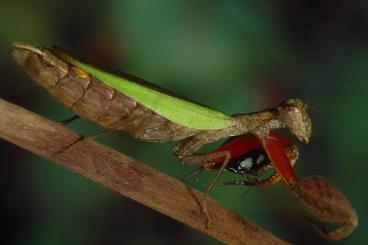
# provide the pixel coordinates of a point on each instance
(126, 176)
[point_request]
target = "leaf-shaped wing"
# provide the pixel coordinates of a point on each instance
(93, 99)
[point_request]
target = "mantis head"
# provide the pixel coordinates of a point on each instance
(293, 113)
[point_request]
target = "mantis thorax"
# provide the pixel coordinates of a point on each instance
(290, 114)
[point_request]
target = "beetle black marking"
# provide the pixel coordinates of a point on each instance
(252, 162)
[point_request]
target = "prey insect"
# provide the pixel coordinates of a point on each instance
(249, 159)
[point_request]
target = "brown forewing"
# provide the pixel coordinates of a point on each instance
(92, 99)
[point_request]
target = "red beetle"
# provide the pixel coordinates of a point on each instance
(250, 157)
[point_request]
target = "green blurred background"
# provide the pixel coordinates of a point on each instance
(237, 56)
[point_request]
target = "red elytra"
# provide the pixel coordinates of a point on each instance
(246, 143)
(274, 145)
(279, 159)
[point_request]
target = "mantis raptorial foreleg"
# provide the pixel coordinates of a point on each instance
(227, 156)
(202, 159)
(185, 153)
(185, 149)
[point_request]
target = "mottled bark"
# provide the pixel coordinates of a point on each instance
(126, 176)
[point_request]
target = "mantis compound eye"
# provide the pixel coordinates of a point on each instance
(293, 113)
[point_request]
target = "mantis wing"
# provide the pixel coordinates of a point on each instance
(114, 101)
(175, 109)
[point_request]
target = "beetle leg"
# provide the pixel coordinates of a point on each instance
(247, 182)
(203, 158)
(273, 179)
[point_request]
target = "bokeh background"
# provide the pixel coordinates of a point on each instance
(237, 56)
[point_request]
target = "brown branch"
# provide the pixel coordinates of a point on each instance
(126, 176)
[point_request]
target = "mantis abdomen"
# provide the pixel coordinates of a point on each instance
(92, 99)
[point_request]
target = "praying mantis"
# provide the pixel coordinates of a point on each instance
(119, 101)
(127, 103)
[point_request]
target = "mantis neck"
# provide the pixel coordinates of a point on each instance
(259, 123)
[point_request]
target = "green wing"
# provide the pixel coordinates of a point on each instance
(177, 110)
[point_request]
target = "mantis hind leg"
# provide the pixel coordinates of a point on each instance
(82, 138)
(69, 120)
(202, 159)
(209, 187)
(136, 123)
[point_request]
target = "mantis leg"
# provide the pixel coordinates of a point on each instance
(208, 157)
(82, 138)
(69, 120)
(202, 159)
(227, 156)
(138, 122)
(191, 174)
(185, 149)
